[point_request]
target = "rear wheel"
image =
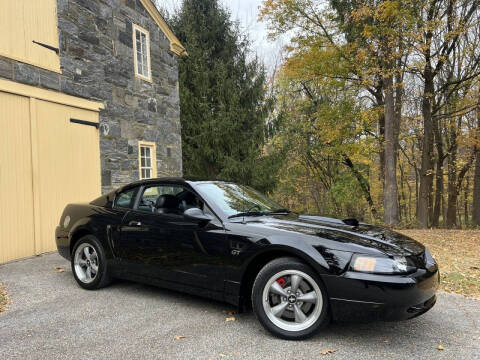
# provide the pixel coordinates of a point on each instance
(89, 265)
(289, 299)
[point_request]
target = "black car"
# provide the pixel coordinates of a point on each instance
(229, 242)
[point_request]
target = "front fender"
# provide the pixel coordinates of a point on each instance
(303, 251)
(266, 251)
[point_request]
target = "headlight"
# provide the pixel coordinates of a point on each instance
(382, 265)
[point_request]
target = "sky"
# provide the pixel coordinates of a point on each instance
(246, 13)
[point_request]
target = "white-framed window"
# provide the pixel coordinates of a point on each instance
(141, 53)
(147, 159)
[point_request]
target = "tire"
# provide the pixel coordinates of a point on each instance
(282, 314)
(96, 262)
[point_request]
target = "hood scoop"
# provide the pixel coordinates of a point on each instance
(351, 222)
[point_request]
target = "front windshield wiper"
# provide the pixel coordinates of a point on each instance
(247, 213)
(278, 211)
(260, 213)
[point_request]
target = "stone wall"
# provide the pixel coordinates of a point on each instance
(96, 56)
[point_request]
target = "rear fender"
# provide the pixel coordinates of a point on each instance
(84, 226)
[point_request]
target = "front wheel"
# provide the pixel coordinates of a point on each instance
(289, 299)
(89, 265)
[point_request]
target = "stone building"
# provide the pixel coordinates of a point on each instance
(88, 102)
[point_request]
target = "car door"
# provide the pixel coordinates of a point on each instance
(209, 254)
(165, 244)
(122, 204)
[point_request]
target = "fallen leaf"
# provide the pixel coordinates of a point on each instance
(440, 347)
(327, 351)
(178, 337)
(230, 318)
(59, 269)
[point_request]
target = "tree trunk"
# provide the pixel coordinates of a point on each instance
(444, 211)
(426, 171)
(390, 193)
(465, 202)
(455, 187)
(438, 174)
(459, 215)
(476, 192)
(364, 184)
(451, 221)
(417, 185)
(476, 179)
(409, 201)
(438, 192)
(397, 121)
(381, 130)
(404, 203)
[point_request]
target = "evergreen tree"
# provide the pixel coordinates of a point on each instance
(223, 98)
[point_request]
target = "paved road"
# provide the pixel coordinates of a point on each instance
(52, 318)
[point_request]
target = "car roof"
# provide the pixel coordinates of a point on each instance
(176, 180)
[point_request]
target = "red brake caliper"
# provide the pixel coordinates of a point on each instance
(281, 281)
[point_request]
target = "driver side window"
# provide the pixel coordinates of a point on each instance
(168, 199)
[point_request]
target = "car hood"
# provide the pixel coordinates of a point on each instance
(335, 234)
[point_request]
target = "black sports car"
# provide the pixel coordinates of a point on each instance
(229, 242)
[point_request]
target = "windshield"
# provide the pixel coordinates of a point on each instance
(235, 199)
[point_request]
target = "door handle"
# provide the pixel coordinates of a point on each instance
(134, 223)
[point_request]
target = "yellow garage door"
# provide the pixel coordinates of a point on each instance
(68, 161)
(46, 161)
(16, 194)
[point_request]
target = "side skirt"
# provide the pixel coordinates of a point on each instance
(188, 289)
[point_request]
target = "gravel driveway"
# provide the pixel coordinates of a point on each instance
(52, 318)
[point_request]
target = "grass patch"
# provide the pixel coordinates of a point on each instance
(4, 300)
(458, 255)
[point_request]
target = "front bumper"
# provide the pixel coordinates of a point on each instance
(366, 297)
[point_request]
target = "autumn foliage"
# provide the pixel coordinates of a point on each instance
(377, 109)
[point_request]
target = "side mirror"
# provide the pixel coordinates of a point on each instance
(197, 215)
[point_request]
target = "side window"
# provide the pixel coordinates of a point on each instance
(173, 199)
(189, 200)
(125, 199)
(141, 56)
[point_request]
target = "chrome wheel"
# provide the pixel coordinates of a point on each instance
(292, 300)
(86, 263)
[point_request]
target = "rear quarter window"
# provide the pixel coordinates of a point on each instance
(125, 199)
